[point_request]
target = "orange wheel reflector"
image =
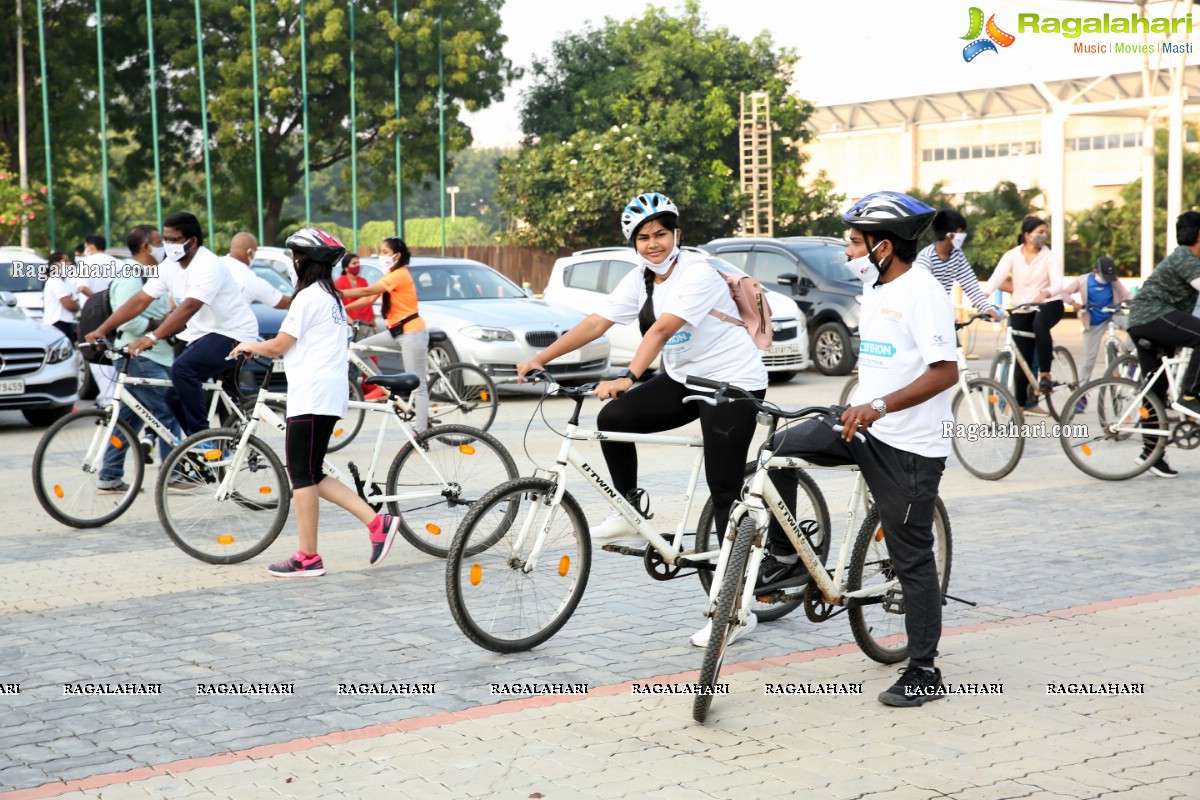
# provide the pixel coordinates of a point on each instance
(564, 566)
(225, 539)
(339, 432)
(879, 534)
(483, 396)
(116, 442)
(434, 529)
(58, 492)
(264, 490)
(1144, 413)
(993, 399)
(212, 455)
(466, 450)
(476, 574)
(1087, 451)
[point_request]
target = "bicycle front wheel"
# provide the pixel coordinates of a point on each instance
(1066, 380)
(812, 514)
(507, 593)
(848, 391)
(1102, 428)
(237, 526)
(67, 464)
(1126, 367)
(346, 428)
(434, 484)
(879, 626)
(462, 394)
(724, 618)
(987, 426)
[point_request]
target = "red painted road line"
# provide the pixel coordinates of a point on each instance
(541, 701)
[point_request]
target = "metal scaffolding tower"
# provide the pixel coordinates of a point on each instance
(758, 218)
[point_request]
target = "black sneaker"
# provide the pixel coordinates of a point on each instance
(117, 488)
(774, 574)
(1045, 384)
(917, 685)
(1160, 467)
(147, 451)
(1189, 406)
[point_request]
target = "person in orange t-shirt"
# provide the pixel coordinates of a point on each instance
(406, 330)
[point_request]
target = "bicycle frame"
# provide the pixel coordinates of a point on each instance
(1171, 367)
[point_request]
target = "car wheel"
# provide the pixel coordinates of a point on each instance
(88, 390)
(443, 353)
(831, 349)
(43, 417)
(780, 377)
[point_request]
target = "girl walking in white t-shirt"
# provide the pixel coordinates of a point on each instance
(671, 297)
(313, 340)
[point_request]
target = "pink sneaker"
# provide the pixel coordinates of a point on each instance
(299, 565)
(383, 531)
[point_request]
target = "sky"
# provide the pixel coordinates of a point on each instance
(851, 50)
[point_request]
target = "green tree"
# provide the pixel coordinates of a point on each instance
(652, 103)
(994, 220)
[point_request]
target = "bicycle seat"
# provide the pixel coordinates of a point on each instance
(404, 383)
(1146, 344)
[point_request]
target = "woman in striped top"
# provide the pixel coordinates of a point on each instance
(945, 259)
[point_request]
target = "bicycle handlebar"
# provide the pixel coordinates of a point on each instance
(830, 415)
(969, 320)
(106, 349)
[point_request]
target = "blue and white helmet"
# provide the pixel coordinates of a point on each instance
(896, 212)
(643, 208)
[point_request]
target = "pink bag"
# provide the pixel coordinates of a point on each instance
(753, 308)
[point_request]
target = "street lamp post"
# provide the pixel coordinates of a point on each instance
(452, 190)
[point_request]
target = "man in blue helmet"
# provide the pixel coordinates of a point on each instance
(908, 363)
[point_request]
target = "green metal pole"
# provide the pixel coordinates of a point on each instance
(103, 116)
(441, 135)
(399, 163)
(257, 117)
(353, 136)
(46, 123)
(204, 125)
(154, 115)
(304, 102)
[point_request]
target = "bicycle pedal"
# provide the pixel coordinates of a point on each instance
(624, 550)
(893, 602)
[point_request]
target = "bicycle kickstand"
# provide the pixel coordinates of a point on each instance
(946, 597)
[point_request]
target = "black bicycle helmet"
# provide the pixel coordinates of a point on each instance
(895, 212)
(320, 246)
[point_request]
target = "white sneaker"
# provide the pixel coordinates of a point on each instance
(700, 637)
(615, 529)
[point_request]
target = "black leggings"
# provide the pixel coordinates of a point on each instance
(1039, 324)
(657, 405)
(306, 443)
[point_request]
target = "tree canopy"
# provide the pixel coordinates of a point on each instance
(653, 104)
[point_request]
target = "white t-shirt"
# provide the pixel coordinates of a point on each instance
(55, 290)
(100, 269)
(316, 363)
(906, 325)
(206, 279)
(705, 346)
(254, 288)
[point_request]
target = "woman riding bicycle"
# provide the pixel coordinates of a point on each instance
(1037, 279)
(671, 298)
(406, 330)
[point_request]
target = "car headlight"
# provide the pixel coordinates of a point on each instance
(59, 351)
(485, 334)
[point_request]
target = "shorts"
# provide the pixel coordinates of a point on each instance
(307, 441)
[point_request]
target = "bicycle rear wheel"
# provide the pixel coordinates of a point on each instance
(241, 525)
(501, 598)
(879, 628)
(450, 469)
(848, 391)
(346, 428)
(1101, 429)
(1066, 380)
(813, 516)
(1126, 367)
(64, 480)
(725, 618)
(462, 394)
(987, 413)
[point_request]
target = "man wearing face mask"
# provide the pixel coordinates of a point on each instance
(254, 288)
(945, 260)
(209, 305)
(1096, 291)
(907, 366)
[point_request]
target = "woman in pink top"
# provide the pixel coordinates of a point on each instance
(1037, 277)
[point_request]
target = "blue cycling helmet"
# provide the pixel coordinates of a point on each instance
(643, 208)
(895, 212)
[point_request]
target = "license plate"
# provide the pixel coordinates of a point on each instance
(12, 386)
(784, 349)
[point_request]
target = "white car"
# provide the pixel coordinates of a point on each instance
(39, 370)
(25, 287)
(584, 279)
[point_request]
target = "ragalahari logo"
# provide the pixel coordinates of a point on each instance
(995, 36)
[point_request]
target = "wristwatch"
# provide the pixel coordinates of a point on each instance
(879, 407)
(628, 373)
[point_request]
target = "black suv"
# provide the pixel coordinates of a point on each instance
(812, 271)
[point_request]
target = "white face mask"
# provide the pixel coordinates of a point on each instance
(862, 268)
(159, 254)
(958, 240)
(175, 252)
(667, 263)
(387, 262)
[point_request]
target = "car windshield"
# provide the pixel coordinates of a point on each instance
(12, 283)
(828, 261)
(463, 282)
(272, 277)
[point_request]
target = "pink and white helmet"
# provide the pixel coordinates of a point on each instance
(319, 245)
